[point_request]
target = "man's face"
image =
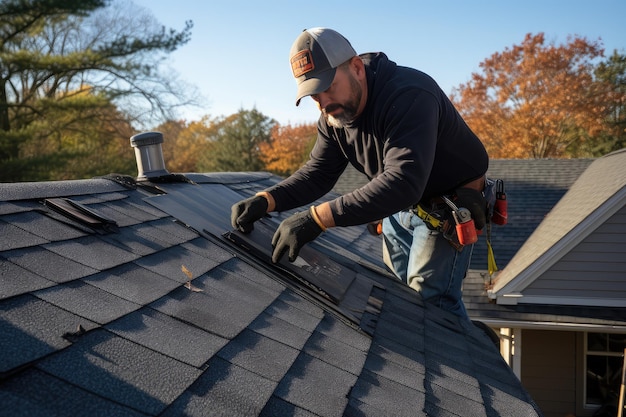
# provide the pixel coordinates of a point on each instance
(340, 103)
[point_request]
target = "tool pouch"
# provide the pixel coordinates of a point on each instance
(475, 202)
(497, 204)
(438, 217)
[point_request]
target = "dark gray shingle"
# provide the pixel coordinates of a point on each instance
(167, 316)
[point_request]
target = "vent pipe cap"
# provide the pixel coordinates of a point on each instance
(149, 155)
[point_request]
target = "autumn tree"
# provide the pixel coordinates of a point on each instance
(67, 67)
(536, 100)
(236, 142)
(185, 142)
(288, 148)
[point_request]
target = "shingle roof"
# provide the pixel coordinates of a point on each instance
(588, 222)
(560, 201)
(533, 187)
(131, 299)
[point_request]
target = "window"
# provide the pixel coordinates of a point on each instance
(604, 357)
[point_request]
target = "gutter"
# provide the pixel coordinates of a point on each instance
(552, 325)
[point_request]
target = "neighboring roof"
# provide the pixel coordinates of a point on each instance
(576, 255)
(533, 187)
(119, 298)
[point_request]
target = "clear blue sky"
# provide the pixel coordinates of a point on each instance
(238, 53)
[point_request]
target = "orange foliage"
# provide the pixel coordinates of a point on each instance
(184, 143)
(535, 100)
(289, 148)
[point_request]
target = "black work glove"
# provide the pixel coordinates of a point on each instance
(246, 212)
(475, 202)
(292, 234)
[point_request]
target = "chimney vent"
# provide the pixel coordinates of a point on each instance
(149, 155)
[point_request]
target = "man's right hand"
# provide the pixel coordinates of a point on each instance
(246, 212)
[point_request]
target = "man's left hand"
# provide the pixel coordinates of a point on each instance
(292, 234)
(475, 202)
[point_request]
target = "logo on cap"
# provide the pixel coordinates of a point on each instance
(301, 63)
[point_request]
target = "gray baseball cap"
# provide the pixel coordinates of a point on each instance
(314, 58)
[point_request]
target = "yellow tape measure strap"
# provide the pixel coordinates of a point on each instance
(427, 217)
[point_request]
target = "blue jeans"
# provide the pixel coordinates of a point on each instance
(426, 261)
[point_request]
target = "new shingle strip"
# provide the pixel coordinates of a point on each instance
(325, 276)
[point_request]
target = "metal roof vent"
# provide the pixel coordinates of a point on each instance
(149, 155)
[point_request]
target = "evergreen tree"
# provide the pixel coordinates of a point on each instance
(66, 67)
(236, 142)
(612, 72)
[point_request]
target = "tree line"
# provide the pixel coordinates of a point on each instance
(79, 77)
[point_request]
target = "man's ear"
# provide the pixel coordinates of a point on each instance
(358, 67)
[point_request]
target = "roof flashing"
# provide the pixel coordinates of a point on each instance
(332, 286)
(81, 214)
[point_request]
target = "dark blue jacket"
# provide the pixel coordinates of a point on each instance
(409, 141)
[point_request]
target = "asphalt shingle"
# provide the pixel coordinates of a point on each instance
(166, 335)
(167, 314)
(15, 280)
(33, 329)
(87, 301)
(122, 371)
(38, 393)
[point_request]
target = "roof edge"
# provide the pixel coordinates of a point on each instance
(46, 189)
(572, 301)
(552, 325)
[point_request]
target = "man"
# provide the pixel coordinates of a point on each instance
(395, 125)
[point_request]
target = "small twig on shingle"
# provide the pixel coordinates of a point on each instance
(73, 336)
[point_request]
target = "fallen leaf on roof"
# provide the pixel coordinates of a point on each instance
(188, 284)
(186, 272)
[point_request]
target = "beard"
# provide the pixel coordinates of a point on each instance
(350, 107)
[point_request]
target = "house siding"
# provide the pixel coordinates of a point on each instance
(594, 268)
(553, 390)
